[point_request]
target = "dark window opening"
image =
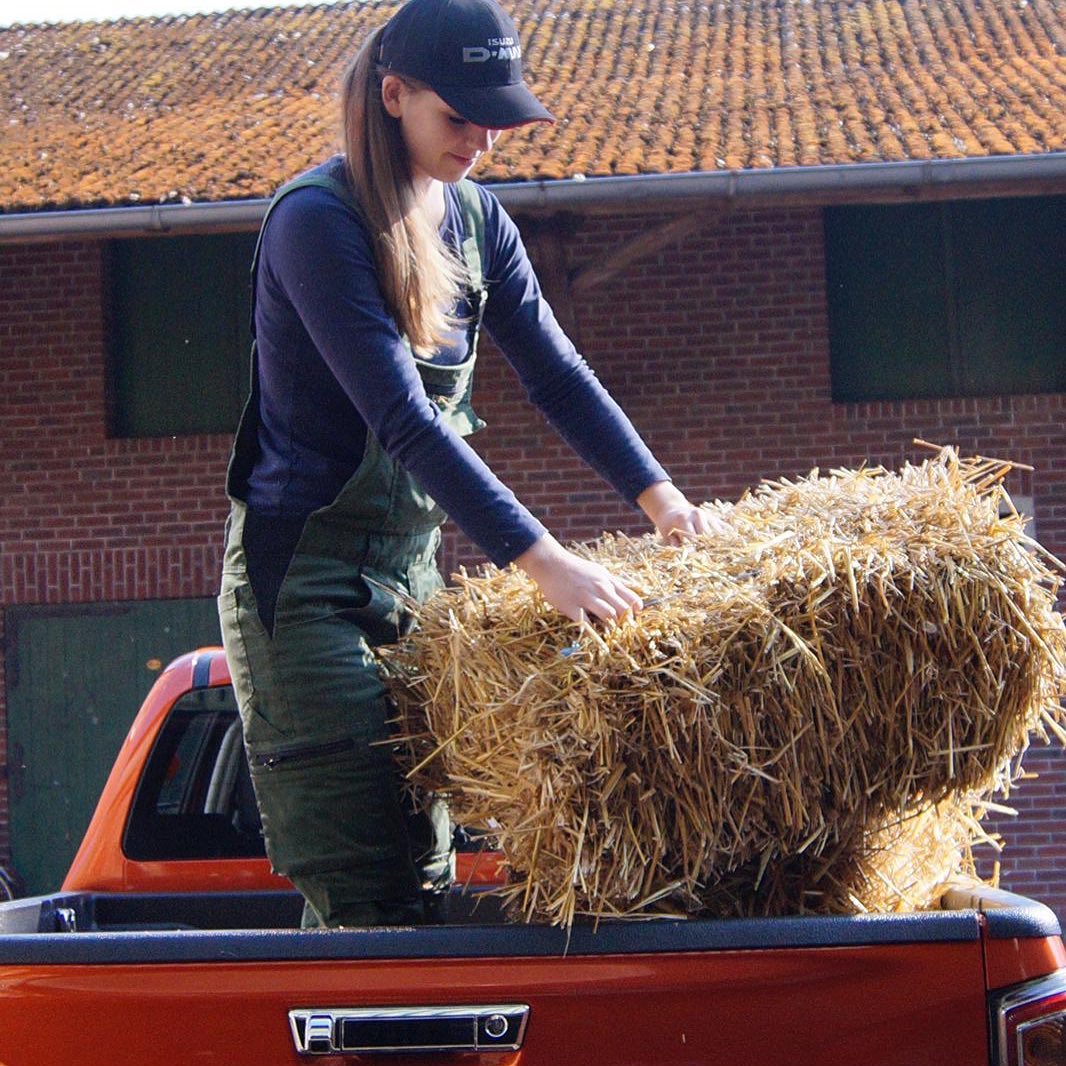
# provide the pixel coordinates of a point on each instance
(179, 335)
(195, 799)
(949, 299)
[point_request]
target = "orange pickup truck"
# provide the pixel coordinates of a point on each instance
(171, 944)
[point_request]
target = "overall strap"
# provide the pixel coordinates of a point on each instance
(473, 227)
(245, 444)
(469, 203)
(319, 181)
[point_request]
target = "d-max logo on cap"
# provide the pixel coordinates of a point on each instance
(505, 48)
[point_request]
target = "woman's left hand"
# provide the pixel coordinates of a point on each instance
(673, 515)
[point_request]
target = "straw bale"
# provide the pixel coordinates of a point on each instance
(807, 717)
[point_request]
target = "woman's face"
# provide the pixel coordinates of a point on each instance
(441, 144)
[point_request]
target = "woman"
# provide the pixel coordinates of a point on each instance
(373, 275)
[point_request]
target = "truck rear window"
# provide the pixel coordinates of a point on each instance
(195, 799)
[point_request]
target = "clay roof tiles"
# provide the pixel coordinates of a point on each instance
(226, 106)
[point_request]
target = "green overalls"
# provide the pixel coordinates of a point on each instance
(335, 818)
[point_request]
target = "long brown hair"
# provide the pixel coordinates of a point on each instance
(420, 278)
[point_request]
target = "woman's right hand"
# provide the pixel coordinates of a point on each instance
(577, 587)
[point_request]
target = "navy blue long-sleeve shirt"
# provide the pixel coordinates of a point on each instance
(332, 364)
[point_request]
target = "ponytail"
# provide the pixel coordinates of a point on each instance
(420, 278)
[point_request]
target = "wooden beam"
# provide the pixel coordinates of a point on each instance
(621, 255)
(547, 250)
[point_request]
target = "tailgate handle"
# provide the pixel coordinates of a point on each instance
(381, 1030)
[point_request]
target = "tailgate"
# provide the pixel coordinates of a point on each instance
(904, 991)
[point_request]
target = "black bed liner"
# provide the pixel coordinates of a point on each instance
(102, 928)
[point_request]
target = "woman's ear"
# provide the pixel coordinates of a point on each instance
(393, 91)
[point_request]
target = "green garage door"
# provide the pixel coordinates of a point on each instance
(76, 676)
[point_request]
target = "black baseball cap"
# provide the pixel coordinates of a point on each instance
(468, 53)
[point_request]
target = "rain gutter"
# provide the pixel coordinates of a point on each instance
(813, 185)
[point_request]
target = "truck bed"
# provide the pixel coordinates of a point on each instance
(171, 979)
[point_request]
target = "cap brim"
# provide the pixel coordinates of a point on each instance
(497, 107)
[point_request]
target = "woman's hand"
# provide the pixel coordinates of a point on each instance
(672, 514)
(577, 587)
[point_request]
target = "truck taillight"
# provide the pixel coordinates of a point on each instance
(1031, 1023)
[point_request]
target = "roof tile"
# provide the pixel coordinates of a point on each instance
(227, 106)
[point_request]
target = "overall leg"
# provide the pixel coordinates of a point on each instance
(315, 717)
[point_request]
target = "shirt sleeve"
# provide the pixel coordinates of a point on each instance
(318, 251)
(556, 378)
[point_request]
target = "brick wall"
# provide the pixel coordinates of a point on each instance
(83, 518)
(717, 347)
